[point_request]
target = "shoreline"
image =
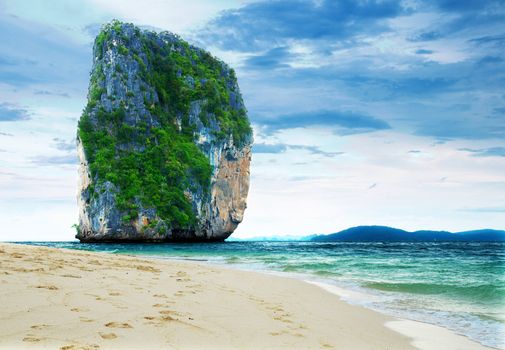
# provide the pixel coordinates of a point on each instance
(57, 298)
(423, 335)
(405, 325)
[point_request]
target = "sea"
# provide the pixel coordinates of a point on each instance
(456, 285)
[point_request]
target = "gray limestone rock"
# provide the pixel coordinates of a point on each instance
(120, 63)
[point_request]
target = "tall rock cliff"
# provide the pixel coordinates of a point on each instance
(164, 141)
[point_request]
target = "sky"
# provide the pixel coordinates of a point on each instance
(364, 112)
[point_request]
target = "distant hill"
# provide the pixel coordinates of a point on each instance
(390, 234)
(285, 238)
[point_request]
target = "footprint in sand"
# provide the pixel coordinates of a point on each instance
(167, 304)
(107, 335)
(146, 268)
(76, 309)
(114, 294)
(195, 287)
(80, 347)
(47, 287)
(118, 325)
(167, 312)
(155, 320)
(160, 296)
(275, 308)
(39, 326)
(31, 339)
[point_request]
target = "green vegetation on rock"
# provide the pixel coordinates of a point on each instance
(154, 161)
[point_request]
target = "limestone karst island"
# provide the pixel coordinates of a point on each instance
(164, 141)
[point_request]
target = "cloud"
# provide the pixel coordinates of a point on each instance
(17, 79)
(6, 60)
(343, 122)
(258, 24)
(313, 55)
(462, 15)
(425, 36)
(40, 54)
(461, 20)
(11, 113)
(491, 60)
(449, 129)
(273, 58)
(315, 150)
(429, 98)
(304, 64)
(267, 148)
(425, 86)
(63, 145)
(499, 110)
(485, 209)
(465, 6)
(498, 40)
(282, 147)
(6, 134)
(68, 159)
(92, 29)
(486, 152)
(424, 52)
(51, 93)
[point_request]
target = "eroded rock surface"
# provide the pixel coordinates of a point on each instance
(164, 142)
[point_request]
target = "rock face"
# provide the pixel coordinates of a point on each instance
(164, 142)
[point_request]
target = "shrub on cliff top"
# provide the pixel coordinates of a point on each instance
(153, 165)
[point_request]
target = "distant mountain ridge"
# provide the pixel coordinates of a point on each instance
(282, 238)
(390, 234)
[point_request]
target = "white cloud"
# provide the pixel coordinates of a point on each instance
(302, 194)
(32, 220)
(296, 192)
(176, 16)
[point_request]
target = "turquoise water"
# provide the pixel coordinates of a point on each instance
(458, 285)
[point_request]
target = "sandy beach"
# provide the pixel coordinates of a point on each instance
(65, 299)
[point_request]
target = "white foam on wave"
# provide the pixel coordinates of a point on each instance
(430, 337)
(351, 296)
(424, 335)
